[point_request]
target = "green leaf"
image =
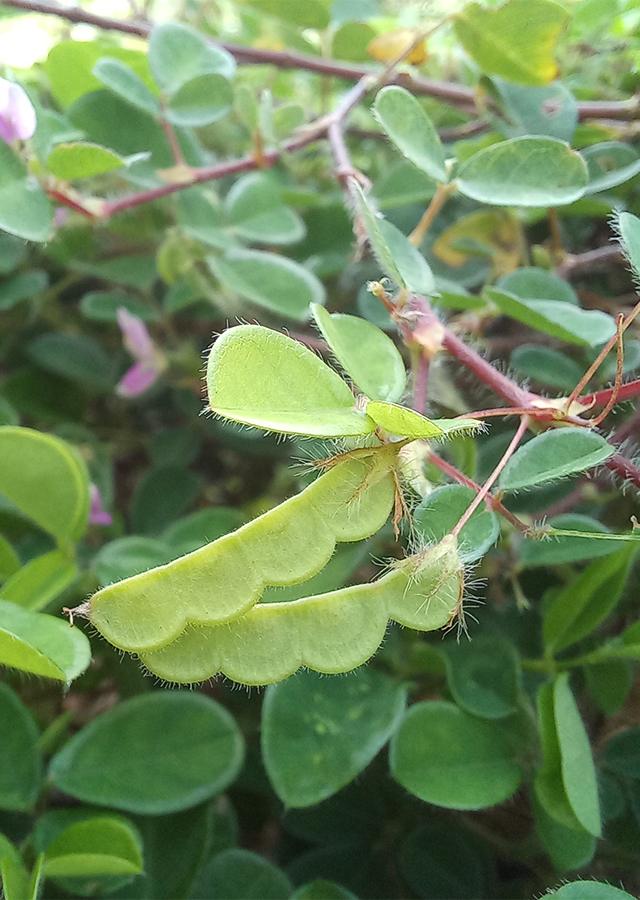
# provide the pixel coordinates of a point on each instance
(69, 67)
(103, 306)
(200, 101)
(515, 41)
(275, 282)
(550, 110)
(237, 874)
(609, 164)
(24, 209)
(546, 366)
(170, 726)
(525, 171)
(81, 160)
(13, 252)
(122, 80)
(255, 210)
(402, 421)
(9, 560)
(15, 879)
(46, 480)
(549, 785)
(307, 13)
(76, 357)
(554, 454)
(25, 286)
(178, 54)
(40, 580)
(629, 230)
(590, 890)
(438, 513)
(202, 527)
(411, 130)
(41, 644)
(365, 352)
(322, 890)
(578, 772)
(319, 733)
(135, 271)
(621, 754)
(440, 859)
(163, 495)
(567, 848)
(586, 602)
(532, 283)
(398, 257)
(307, 397)
(401, 184)
(128, 556)
(568, 549)
(609, 684)
(21, 771)
(446, 757)
(95, 847)
(484, 676)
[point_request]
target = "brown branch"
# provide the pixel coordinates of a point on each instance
(592, 259)
(455, 94)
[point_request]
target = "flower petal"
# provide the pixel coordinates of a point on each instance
(23, 115)
(97, 514)
(136, 337)
(137, 380)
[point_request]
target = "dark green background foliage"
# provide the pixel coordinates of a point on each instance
(499, 759)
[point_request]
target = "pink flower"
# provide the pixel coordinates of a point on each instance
(17, 115)
(149, 360)
(98, 515)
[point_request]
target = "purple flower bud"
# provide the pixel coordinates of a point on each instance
(17, 115)
(149, 361)
(98, 515)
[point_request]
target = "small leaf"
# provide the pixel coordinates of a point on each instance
(550, 110)
(306, 397)
(170, 726)
(164, 493)
(438, 513)
(257, 213)
(122, 80)
(40, 644)
(401, 261)
(411, 130)
(21, 770)
(590, 890)
(446, 757)
(274, 282)
(621, 754)
(177, 54)
(46, 480)
(388, 46)
(587, 601)
(402, 421)
(365, 352)
(25, 286)
(103, 306)
(546, 366)
(82, 160)
(515, 41)
(128, 556)
(629, 229)
(319, 733)
(532, 283)
(578, 772)
(76, 357)
(237, 874)
(24, 209)
(588, 328)
(94, 848)
(567, 549)
(609, 164)
(567, 848)
(40, 580)
(554, 454)
(526, 171)
(201, 101)
(484, 677)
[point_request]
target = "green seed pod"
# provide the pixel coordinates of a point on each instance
(330, 633)
(287, 545)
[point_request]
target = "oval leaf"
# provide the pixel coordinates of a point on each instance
(24, 209)
(438, 513)
(306, 397)
(609, 164)
(177, 54)
(365, 352)
(122, 80)
(20, 761)
(257, 213)
(411, 130)
(447, 757)
(526, 171)
(275, 282)
(40, 644)
(94, 848)
(554, 454)
(103, 764)
(319, 733)
(201, 101)
(46, 480)
(81, 160)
